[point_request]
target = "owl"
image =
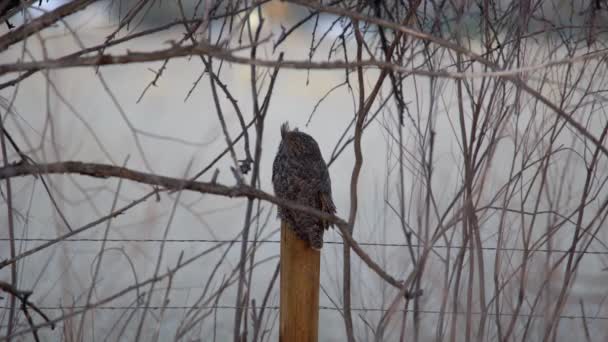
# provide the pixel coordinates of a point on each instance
(300, 174)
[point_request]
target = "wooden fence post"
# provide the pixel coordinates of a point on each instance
(300, 269)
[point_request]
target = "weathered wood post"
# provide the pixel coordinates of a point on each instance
(299, 310)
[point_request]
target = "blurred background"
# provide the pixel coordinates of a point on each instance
(531, 173)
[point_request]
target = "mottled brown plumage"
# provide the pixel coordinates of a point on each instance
(300, 174)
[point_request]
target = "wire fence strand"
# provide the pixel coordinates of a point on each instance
(369, 244)
(322, 307)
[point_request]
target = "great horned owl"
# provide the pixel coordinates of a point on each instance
(299, 174)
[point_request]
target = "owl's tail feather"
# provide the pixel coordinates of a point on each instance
(315, 238)
(301, 234)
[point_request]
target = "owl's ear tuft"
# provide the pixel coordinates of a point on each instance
(284, 129)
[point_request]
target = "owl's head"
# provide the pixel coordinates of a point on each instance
(298, 143)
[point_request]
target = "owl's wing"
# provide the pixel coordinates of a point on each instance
(280, 180)
(325, 198)
(327, 205)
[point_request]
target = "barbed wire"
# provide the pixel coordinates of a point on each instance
(372, 244)
(321, 307)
